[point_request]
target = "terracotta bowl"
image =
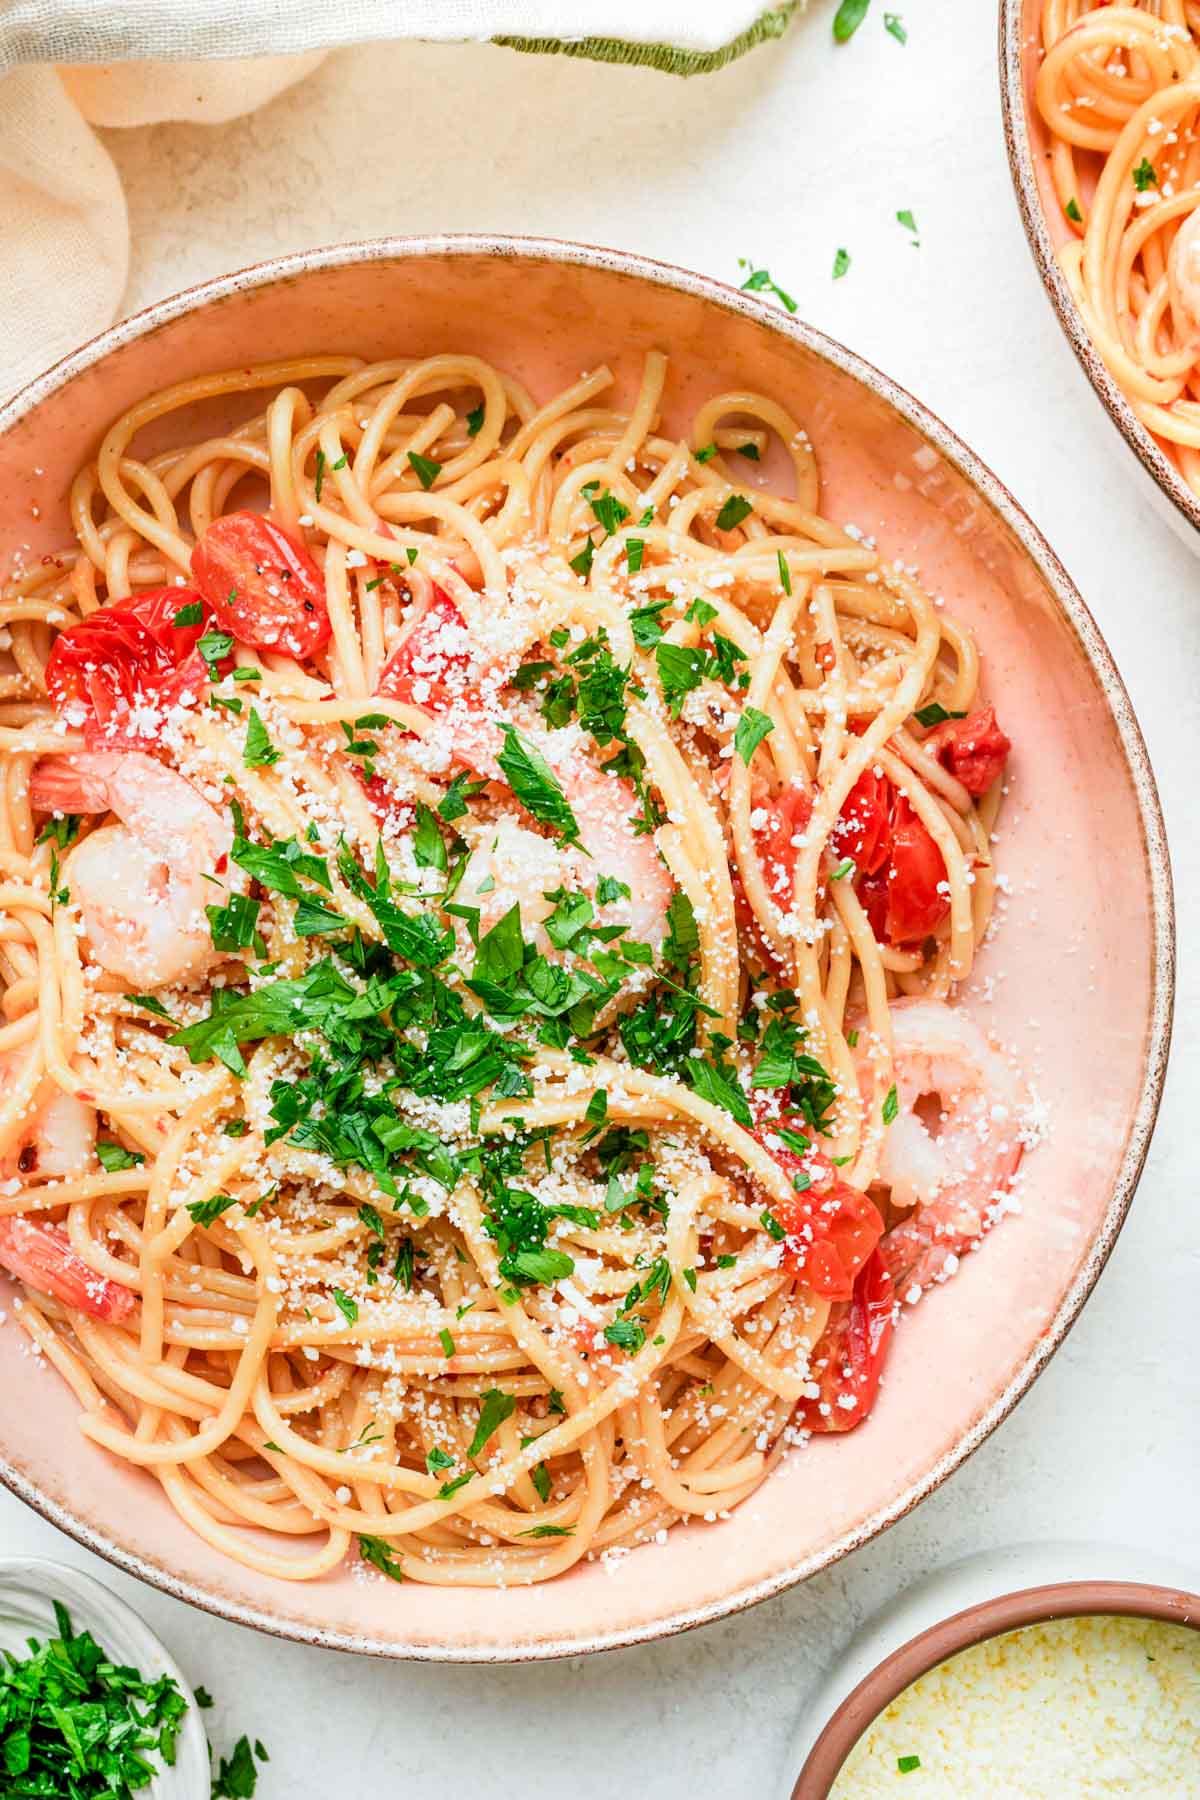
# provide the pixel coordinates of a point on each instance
(1028, 144)
(917, 1633)
(1089, 915)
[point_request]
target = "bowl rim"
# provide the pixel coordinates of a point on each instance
(1019, 149)
(1066, 597)
(975, 1625)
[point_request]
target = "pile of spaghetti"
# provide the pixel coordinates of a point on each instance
(464, 862)
(1119, 91)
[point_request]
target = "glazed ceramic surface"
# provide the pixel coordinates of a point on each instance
(1079, 975)
(1028, 146)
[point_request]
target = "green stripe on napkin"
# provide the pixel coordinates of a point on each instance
(667, 57)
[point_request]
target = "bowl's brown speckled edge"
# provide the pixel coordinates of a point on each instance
(1025, 144)
(991, 1618)
(573, 1631)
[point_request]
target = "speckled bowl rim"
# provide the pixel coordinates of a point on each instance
(1156, 463)
(1158, 872)
(974, 1625)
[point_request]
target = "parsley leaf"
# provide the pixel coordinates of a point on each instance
(759, 280)
(114, 1157)
(535, 784)
(380, 1554)
(495, 1408)
(427, 470)
(841, 263)
(752, 728)
(259, 752)
(735, 509)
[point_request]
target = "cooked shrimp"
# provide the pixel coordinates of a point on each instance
(40, 1254)
(56, 1138)
(430, 668)
(509, 863)
(58, 1135)
(954, 1146)
(142, 885)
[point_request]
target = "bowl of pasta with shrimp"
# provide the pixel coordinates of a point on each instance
(586, 948)
(1101, 109)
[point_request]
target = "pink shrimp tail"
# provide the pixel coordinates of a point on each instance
(72, 784)
(40, 1253)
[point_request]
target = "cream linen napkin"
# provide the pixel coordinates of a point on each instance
(69, 65)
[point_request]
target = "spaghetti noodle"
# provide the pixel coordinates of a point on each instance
(476, 937)
(1119, 91)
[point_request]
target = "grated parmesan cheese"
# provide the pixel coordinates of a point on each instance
(1069, 1710)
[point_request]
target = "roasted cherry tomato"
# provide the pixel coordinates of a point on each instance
(832, 1228)
(115, 673)
(428, 666)
(916, 879)
(853, 1350)
(787, 815)
(864, 828)
(262, 585)
(973, 749)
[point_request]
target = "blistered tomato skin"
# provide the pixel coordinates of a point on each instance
(974, 750)
(116, 673)
(853, 1351)
(831, 1228)
(263, 586)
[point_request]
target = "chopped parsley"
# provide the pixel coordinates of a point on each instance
(114, 1157)
(735, 509)
(205, 1211)
(346, 1306)
(494, 1410)
(475, 421)
(259, 752)
(906, 1764)
(1144, 175)
(535, 785)
(1072, 211)
(752, 728)
(935, 714)
(841, 263)
(849, 16)
(907, 219)
(379, 1553)
(75, 1723)
(426, 469)
(895, 24)
(759, 281)
(891, 1105)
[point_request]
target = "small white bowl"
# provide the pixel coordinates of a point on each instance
(29, 1586)
(980, 1597)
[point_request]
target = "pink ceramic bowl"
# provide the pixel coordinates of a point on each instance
(1089, 918)
(1028, 146)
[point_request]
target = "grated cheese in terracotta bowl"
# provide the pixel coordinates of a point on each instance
(1071, 1709)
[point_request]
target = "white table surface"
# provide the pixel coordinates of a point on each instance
(796, 150)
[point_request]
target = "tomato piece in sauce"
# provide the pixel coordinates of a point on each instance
(917, 900)
(428, 667)
(973, 750)
(782, 818)
(831, 1228)
(262, 584)
(116, 672)
(864, 826)
(852, 1350)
